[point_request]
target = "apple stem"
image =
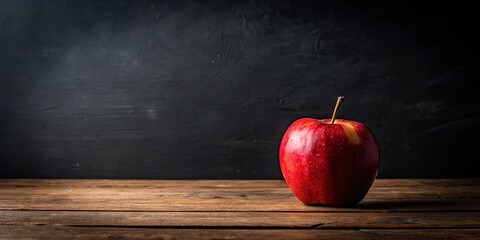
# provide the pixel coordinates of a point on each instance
(335, 110)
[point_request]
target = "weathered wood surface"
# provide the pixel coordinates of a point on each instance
(234, 209)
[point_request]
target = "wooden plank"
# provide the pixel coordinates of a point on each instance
(209, 184)
(245, 219)
(446, 182)
(225, 189)
(205, 195)
(229, 195)
(292, 204)
(256, 193)
(54, 233)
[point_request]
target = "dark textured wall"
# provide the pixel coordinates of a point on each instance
(205, 89)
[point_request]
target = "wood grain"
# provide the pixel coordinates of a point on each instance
(308, 220)
(233, 209)
(228, 195)
(54, 233)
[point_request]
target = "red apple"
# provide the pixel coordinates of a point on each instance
(329, 161)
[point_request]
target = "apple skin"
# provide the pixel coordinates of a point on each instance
(329, 164)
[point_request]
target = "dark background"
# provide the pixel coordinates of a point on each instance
(205, 89)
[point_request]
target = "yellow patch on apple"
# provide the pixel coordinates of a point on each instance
(351, 133)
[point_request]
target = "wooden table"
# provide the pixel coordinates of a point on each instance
(233, 209)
